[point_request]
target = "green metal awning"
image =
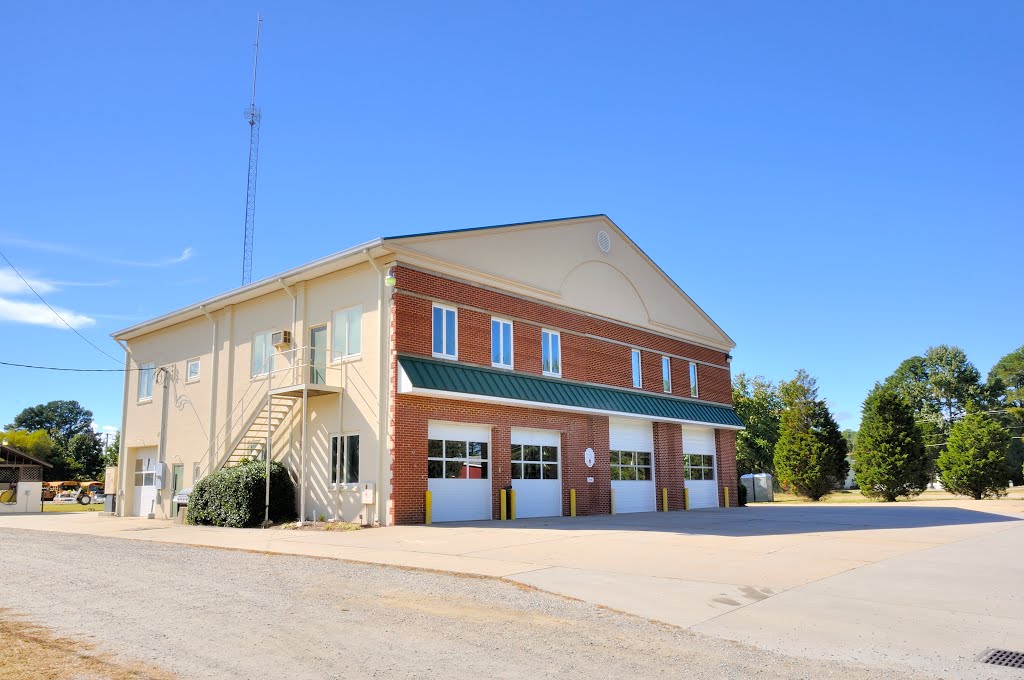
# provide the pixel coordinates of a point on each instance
(431, 376)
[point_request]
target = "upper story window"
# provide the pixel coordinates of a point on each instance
(446, 334)
(551, 352)
(693, 379)
(666, 374)
(192, 370)
(146, 381)
(262, 354)
(348, 336)
(637, 378)
(501, 343)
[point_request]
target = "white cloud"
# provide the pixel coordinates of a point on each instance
(165, 262)
(38, 314)
(11, 284)
(47, 247)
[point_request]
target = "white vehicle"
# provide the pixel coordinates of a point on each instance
(66, 497)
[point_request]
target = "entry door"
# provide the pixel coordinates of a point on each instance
(700, 472)
(318, 355)
(177, 481)
(536, 472)
(631, 444)
(145, 486)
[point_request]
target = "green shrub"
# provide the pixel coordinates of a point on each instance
(234, 496)
(741, 494)
(974, 462)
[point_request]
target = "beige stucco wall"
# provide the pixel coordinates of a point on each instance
(225, 381)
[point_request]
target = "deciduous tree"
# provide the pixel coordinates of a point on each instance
(758, 405)
(61, 419)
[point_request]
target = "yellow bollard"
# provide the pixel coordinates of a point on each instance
(504, 508)
(572, 502)
(512, 494)
(429, 509)
(613, 501)
(664, 499)
(686, 499)
(726, 496)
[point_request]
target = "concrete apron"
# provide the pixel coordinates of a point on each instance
(867, 583)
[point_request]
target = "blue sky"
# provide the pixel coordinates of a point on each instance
(838, 185)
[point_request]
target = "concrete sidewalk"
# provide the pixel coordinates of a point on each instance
(866, 583)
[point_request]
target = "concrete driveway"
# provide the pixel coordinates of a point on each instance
(926, 585)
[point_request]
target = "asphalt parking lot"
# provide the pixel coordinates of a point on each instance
(922, 586)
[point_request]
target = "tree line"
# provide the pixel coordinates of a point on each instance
(933, 418)
(60, 433)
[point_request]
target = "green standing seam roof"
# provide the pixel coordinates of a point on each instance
(446, 376)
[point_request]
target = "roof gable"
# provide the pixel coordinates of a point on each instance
(586, 263)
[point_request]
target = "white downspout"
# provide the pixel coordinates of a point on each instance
(120, 494)
(382, 390)
(213, 393)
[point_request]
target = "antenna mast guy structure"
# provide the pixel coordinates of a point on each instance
(253, 115)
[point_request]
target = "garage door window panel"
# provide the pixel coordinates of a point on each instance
(453, 459)
(631, 466)
(700, 467)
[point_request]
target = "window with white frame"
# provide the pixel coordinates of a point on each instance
(631, 466)
(693, 379)
(192, 370)
(348, 336)
(501, 343)
(345, 459)
(445, 333)
(637, 378)
(530, 461)
(145, 473)
(456, 459)
(699, 466)
(146, 381)
(666, 374)
(551, 352)
(262, 354)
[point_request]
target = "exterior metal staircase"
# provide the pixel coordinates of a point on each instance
(263, 423)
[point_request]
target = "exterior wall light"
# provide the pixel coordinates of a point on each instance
(389, 279)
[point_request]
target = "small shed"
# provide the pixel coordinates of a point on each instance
(759, 487)
(21, 481)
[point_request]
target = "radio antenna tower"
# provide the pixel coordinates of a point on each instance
(253, 115)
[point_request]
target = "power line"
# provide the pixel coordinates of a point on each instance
(73, 370)
(55, 312)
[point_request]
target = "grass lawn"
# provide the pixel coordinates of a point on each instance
(72, 507)
(855, 496)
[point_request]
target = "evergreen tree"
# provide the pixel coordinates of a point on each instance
(974, 462)
(810, 455)
(891, 460)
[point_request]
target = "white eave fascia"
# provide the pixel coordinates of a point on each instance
(324, 265)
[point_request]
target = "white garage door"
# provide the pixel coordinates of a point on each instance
(536, 472)
(700, 466)
(458, 471)
(632, 464)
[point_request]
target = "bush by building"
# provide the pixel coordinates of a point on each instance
(234, 496)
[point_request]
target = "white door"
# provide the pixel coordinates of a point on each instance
(536, 472)
(458, 471)
(145, 486)
(632, 464)
(700, 467)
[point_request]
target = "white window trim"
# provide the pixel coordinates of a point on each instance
(333, 329)
(152, 379)
(694, 386)
(511, 342)
(273, 350)
(666, 374)
(342, 486)
(557, 334)
(198, 372)
(638, 379)
(442, 355)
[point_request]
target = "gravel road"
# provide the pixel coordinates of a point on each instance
(207, 613)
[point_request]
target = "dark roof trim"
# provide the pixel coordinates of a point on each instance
(506, 386)
(441, 232)
(6, 452)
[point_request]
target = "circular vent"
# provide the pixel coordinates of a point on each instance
(604, 241)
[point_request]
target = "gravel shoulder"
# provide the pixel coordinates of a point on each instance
(208, 613)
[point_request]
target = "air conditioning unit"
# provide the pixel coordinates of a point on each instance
(281, 339)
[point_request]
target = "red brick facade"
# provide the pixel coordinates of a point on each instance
(586, 357)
